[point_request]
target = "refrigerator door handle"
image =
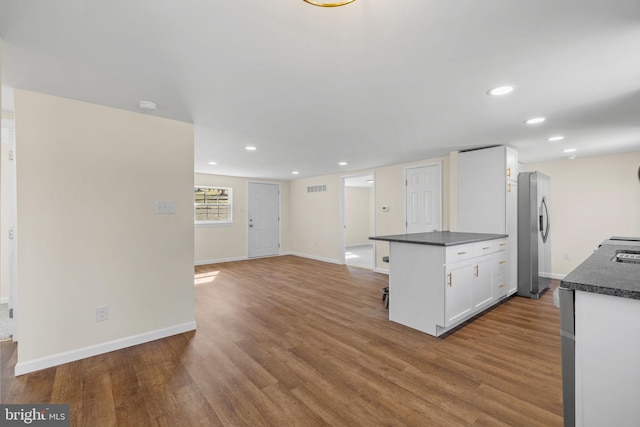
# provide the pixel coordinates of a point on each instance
(544, 230)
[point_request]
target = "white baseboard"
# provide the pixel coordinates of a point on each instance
(219, 260)
(106, 347)
(317, 258)
(4, 300)
(382, 270)
(358, 245)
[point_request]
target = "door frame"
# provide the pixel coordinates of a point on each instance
(341, 224)
(437, 163)
(246, 220)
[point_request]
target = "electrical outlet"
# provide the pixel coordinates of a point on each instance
(102, 313)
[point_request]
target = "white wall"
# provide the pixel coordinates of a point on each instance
(357, 216)
(390, 190)
(229, 242)
(88, 178)
(592, 199)
(315, 217)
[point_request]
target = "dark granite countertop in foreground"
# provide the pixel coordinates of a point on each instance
(600, 275)
(440, 238)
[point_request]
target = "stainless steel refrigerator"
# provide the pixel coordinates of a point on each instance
(534, 238)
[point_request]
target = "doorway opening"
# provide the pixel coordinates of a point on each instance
(358, 221)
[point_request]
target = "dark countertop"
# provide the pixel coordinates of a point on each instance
(598, 274)
(440, 238)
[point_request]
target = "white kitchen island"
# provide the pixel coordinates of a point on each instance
(438, 280)
(600, 301)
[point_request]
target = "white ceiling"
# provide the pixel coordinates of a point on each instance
(373, 83)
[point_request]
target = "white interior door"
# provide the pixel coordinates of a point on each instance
(423, 199)
(264, 219)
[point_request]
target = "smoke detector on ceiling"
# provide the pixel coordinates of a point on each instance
(147, 106)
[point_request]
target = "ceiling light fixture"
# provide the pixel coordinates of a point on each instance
(147, 105)
(535, 121)
(555, 138)
(501, 90)
(250, 148)
(342, 164)
(369, 181)
(213, 163)
(329, 4)
(295, 172)
(569, 150)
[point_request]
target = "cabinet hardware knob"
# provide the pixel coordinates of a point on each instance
(503, 244)
(502, 285)
(461, 253)
(450, 279)
(477, 270)
(503, 262)
(509, 172)
(509, 188)
(486, 247)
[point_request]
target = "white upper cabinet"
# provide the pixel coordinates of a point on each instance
(482, 191)
(488, 197)
(512, 164)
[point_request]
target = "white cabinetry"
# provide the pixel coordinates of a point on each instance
(457, 295)
(482, 282)
(436, 288)
(511, 278)
(488, 198)
(606, 360)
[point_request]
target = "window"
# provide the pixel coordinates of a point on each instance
(212, 205)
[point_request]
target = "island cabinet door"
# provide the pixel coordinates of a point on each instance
(482, 282)
(457, 293)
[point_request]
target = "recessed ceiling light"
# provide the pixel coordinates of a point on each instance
(147, 105)
(250, 148)
(535, 121)
(342, 164)
(295, 172)
(556, 138)
(501, 90)
(569, 150)
(571, 157)
(369, 180)
(213, 163)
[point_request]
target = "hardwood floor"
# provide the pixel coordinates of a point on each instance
(290, 341)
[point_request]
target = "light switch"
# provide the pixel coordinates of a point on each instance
(165, 207)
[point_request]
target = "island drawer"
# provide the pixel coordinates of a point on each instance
(501, 287)
(489, 247)
(500, 263)
(458, 253)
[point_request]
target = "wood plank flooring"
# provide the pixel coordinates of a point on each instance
(289, 341)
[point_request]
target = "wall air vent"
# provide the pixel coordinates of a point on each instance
(316, 188)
